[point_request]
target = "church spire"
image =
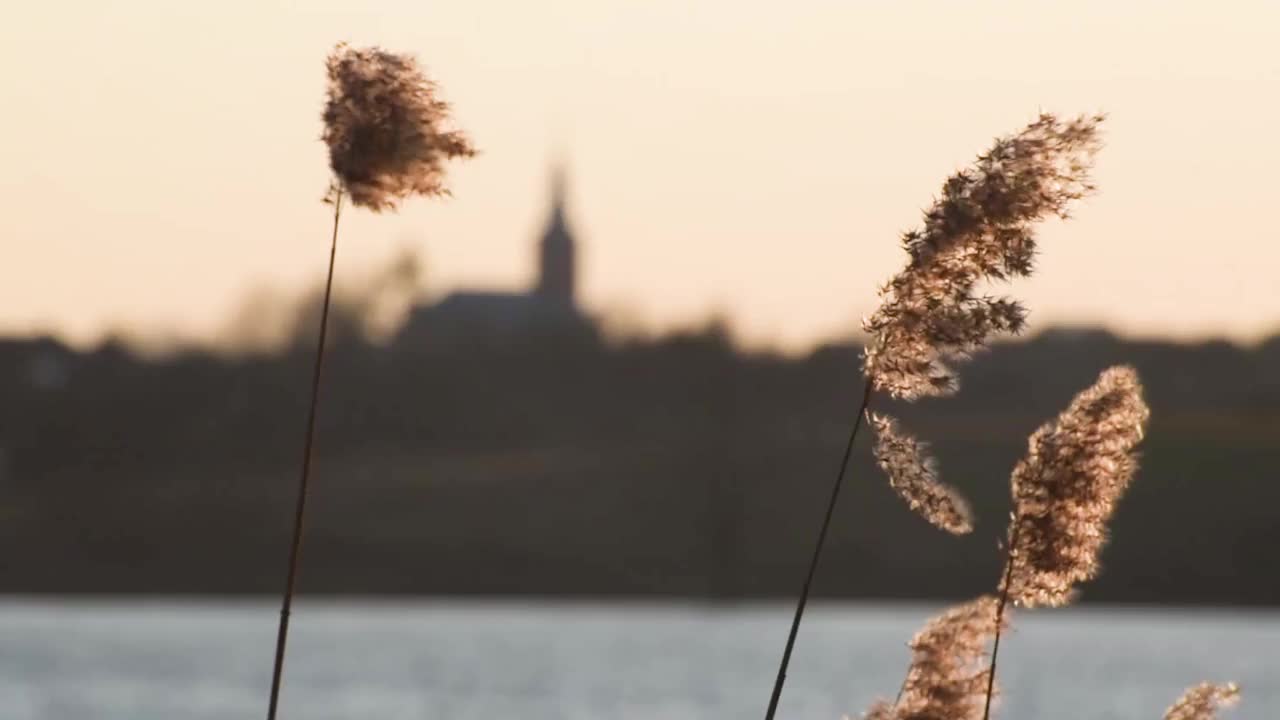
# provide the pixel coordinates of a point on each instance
(556, 253)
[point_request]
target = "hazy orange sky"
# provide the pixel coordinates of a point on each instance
(161, 159)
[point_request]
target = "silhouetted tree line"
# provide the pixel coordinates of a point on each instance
(569, 464)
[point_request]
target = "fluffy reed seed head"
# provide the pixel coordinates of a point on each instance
(913, 475)
(980, 228)
(1065, 490)
(948, 673)
(384, 128)
(881, 710)
(1203, 701)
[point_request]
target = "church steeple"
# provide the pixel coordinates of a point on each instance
(556, 252)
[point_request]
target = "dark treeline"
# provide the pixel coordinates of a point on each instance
(567, 465)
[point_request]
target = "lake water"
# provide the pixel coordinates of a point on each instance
(488, 661)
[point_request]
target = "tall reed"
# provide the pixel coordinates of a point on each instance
(931, 312)
(1065, 491)
(383, 127)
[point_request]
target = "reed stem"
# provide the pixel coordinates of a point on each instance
(1004, 599)
(817, 553)
(295, 548)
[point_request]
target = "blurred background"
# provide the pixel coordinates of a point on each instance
(579, 420)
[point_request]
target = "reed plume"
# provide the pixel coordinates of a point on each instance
(1065, 490)
(384, 126)
(980, 229)
(1202, 702)
(947, 676)
(913, 475)
(383, 129)
(881, 710)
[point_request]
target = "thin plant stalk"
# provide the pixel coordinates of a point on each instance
(300, 510)
(817, 554)
(1000, 606)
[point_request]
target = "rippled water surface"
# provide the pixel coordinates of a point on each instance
(397, 661)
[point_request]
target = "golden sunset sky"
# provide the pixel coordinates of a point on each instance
(161, 159)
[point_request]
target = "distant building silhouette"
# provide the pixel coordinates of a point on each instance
(557, 262)
(548, 308)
